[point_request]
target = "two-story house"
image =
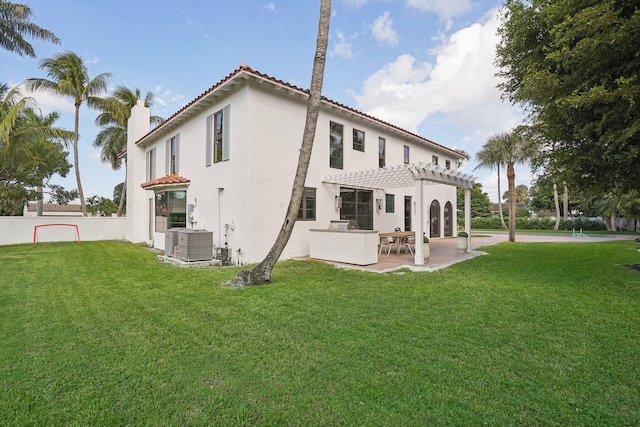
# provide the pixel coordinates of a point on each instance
(225, 163)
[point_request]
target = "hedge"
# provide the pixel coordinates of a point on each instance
(546, 223)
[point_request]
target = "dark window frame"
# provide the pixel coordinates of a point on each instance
(390, 203)
(336, 145)
(358, 139)
(308, 205)
(381, 152)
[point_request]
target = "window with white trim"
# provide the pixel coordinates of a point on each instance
(217, 142)
(406, 154)
(434, 160)
(381, 152)
(150, 172)
(173, 154)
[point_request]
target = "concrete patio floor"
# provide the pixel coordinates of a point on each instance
(444, 252)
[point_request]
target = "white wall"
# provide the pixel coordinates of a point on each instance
(17, 229)
(266, 128)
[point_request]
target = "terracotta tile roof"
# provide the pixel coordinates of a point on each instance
(173, 179)
(54, 207)
(244, 68)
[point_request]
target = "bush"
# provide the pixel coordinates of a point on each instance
(545, 223)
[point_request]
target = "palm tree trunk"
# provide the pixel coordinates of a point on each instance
(511, 178)
(500, 201)
(565, 203)
(261, 274)
(123, 195)
(39, 202)
(557, 206)
(76, 161)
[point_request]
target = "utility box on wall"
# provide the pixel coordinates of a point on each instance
(195, 245)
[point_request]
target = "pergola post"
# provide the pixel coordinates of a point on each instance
(419, 196)
(467, 216)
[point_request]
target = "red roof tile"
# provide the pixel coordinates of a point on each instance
(245, 68)
(173, 179)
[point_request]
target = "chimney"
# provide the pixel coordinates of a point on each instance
(137, 127)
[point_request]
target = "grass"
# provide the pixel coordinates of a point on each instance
(532, 334)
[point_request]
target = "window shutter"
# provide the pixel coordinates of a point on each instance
(208, 143)
(177, 153)
(147, 172)
(225, 132)
(168, 157)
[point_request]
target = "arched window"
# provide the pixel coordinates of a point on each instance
(434, 221)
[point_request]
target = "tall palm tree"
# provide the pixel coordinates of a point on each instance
(513, 148)
(15, 25)
(69, 77)
(261, 274)
(112, 138)
(488, 158)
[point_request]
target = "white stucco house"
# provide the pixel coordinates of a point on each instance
(225, 162)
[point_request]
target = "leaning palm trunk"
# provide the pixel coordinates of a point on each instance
(565, 203)
(511, 178)
(261, 274)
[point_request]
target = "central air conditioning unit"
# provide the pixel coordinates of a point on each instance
(195, 245)
(171, 241)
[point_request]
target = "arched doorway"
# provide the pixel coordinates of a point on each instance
(434, 219)
(448, 219)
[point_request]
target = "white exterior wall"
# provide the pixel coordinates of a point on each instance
(266, 128)
(19, 229)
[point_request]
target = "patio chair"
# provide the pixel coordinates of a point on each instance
(409, 243)
(385, 244)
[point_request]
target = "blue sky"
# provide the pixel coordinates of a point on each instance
(424, 65)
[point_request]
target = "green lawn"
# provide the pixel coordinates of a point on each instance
(532, 334)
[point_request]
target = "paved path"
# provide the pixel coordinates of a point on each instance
(444, 252)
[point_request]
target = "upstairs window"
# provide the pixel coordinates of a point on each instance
(173, 154)
(406, 154)
(434, 160)
(447, 164)
(335, 145)
(217, 143)
(381, 152)
(150, 173)
(358, 140)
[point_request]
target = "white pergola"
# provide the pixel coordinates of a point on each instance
(404, 176)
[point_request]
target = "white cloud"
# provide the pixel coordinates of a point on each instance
(444, 9)
(382, 30)
(354, 3)
(342, 48)
(461, 85)
(269, 7)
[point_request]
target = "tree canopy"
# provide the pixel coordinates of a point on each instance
(15, 25)
(574, 66)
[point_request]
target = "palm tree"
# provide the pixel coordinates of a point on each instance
(487, 157)
(29, 148)
(12, 107)
(15, 25)
(70, 77)
(513, 148)
(112, 138)
(261, 274)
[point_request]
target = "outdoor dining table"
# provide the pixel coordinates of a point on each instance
(397, 236)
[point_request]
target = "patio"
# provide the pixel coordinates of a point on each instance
(444, 252)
